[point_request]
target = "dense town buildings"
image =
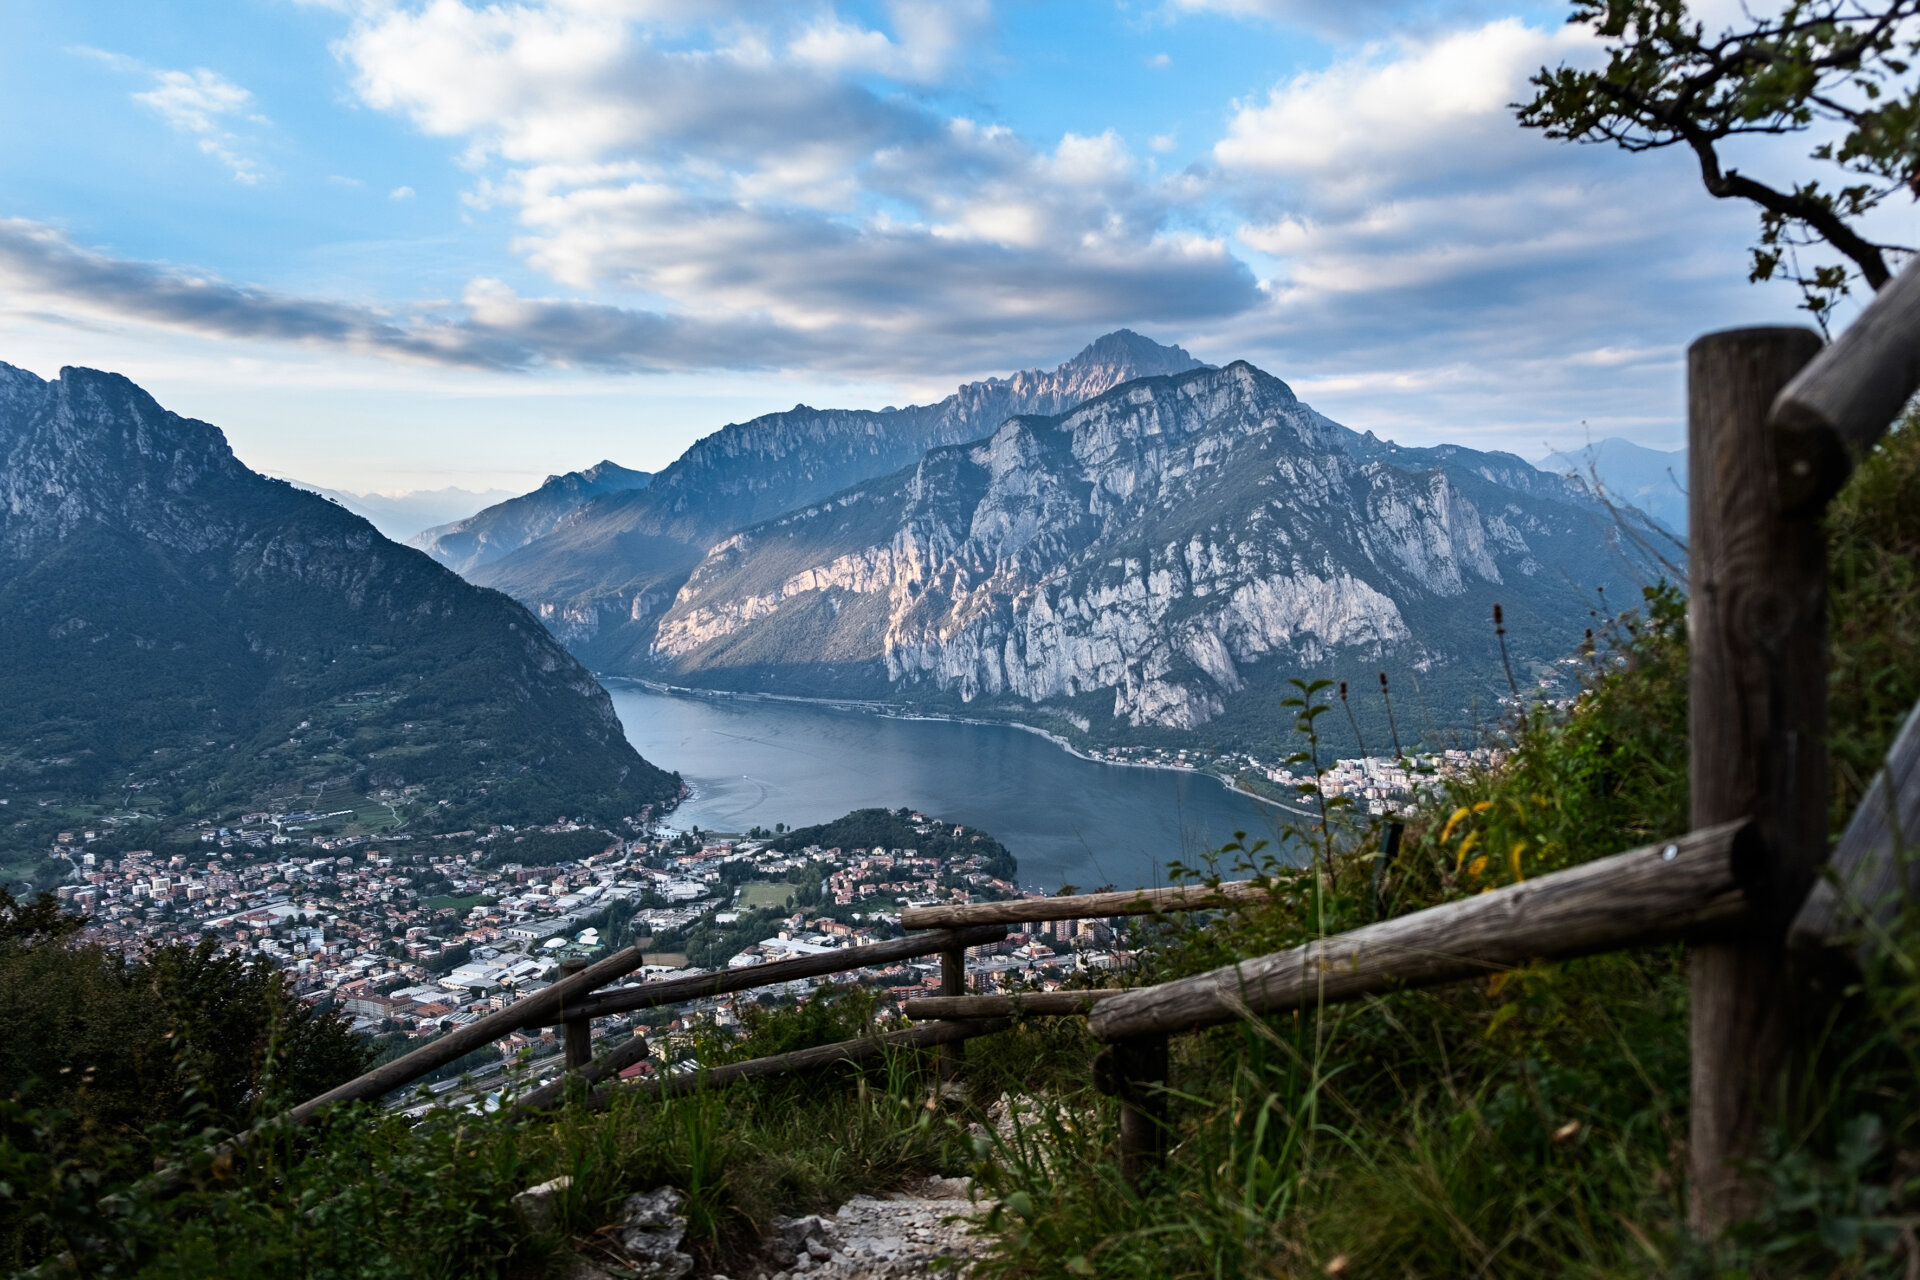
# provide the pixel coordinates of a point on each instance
(414, 935)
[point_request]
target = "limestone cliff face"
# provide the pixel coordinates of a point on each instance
(1161, 548)
(603, 574)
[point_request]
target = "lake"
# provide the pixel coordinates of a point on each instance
(753, 762)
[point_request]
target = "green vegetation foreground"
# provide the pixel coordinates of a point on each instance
(1531, 1124)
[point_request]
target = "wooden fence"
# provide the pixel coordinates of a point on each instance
(1776, 422)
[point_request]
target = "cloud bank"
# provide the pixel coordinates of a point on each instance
(745, 186)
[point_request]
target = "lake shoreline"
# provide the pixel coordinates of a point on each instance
(891, 711)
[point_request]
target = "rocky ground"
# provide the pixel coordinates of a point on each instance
(922, 1230)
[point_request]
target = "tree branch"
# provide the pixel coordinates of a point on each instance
(1732, 184)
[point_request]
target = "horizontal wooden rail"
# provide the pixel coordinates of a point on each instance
(825, 1055)
(1084, 906)
(611, 1063)
(651, 995)
(1836, 409)
(463, 1040)
(1876, 865)
(1652, 894)
(1029, 1004)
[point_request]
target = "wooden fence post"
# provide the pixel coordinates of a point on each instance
(579, 1031)
(953, 982)
(1757, 717)
(1134, 1071)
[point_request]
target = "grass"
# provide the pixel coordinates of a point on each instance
(757, 894)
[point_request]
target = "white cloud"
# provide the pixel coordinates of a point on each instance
(1433, 271)
(400, 193)
(1400, 115)
(199, 103)
(932, 38)
(46, 276)
(787, 169)
(781, 187)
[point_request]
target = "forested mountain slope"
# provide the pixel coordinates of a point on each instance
(176, 627)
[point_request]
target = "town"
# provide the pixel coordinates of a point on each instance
(414, 935)
(1378, 786)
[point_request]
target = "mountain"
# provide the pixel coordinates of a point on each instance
(1161, 558)
(1652, 480)
(177, 627)
(402, 515)
(465, 545)
(601, 579)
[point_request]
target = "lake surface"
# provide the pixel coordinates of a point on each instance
(1069, 821)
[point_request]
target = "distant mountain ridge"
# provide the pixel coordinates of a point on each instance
(1651, 479)
(603, 576)
(400, 516)
(1159, 559)
(505, 527)
(176, 626)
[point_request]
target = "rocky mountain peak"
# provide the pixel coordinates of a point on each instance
(1125, 352)
(17, 387)
(1106, 362)
(604, 476)
(94, 447)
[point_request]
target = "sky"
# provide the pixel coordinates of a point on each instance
(397, 244)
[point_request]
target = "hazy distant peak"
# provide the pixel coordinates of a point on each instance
(603, 476)
(1655, 480)
(479, 539)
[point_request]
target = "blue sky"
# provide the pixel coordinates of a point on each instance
(390, 244)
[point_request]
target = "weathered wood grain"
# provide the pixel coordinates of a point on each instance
(1757, 727)
(826, 1055)
(1084, 906)
(651, 995)
(1876, 866)
(1031, 1004)
(1653, 894)
(542, 1004)
(1836, 408)
(953, 983)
